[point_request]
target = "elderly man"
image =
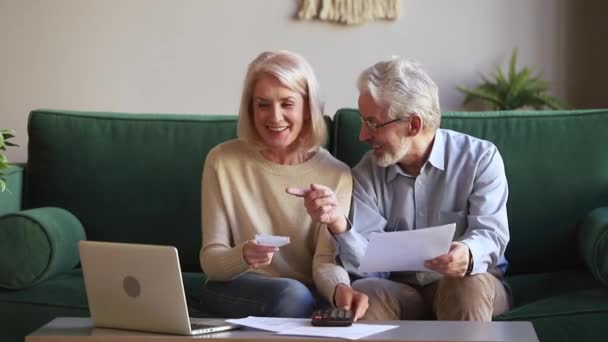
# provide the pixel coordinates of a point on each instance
(418, 176)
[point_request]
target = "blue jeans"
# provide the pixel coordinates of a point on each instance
(253, 294)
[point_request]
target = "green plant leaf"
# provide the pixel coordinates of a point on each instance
(7, 131)
(483, 95)
(512, 65)
(5, 134)
(514, 90)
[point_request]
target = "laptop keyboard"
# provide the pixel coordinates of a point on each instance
(195, 326)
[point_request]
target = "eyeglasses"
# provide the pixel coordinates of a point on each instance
(374, 127)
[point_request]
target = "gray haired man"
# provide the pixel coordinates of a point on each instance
(418, 176)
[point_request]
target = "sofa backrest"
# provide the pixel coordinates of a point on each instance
(557, 168)
(127, 177)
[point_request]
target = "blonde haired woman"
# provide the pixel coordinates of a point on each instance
(281, 129)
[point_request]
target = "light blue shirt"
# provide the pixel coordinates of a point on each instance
(462, 182)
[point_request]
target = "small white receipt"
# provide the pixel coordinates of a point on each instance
(272, 240)
(406, 250)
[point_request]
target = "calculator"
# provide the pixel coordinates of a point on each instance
(332, 317)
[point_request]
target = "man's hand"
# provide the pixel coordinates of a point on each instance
(256, 255)
(322, 205)
(452, 264)
(347, 298)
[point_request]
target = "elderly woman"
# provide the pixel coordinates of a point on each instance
(281, 129)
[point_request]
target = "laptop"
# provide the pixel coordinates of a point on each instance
(139, 287)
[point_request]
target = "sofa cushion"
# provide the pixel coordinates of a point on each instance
(569, 327)
(593, 243)
(529, 288)
(37, 244)
(569, 305)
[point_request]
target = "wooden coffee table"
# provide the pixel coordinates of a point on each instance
(73, 329)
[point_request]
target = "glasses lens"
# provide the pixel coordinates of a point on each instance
(371, 126)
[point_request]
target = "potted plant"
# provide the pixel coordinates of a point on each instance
(5, 135)
(516, 89)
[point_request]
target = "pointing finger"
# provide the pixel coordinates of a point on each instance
(320, 187)
(298, 192)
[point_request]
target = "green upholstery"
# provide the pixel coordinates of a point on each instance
(593, 243)
(136, 178)
(37, 244)
(140, 174)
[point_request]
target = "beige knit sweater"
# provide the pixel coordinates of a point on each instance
(243, 194)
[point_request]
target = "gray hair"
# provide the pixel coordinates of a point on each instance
(404, 88)
(294, 72)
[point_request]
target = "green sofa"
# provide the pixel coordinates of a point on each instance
(136, 178)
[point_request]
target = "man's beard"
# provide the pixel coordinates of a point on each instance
(388, 158)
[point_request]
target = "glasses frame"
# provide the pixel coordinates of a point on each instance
(374, 127)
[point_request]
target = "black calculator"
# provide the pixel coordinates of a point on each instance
(332, 317)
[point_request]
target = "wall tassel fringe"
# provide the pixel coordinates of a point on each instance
(349, 12)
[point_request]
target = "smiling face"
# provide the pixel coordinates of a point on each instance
(390, 143)
(279, 114)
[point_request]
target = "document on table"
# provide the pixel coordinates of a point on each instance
(406, 250)
(275, 324)
(302, 327)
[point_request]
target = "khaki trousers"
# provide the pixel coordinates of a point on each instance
(471, 298)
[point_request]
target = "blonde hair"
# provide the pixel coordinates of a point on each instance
(295, 73)
(404, 88)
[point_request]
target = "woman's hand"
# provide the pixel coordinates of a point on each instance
(256, 255)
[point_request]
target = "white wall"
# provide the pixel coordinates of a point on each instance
(189, 56)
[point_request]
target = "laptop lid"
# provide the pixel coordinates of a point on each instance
(137, 287)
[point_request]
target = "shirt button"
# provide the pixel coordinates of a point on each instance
(420, 213)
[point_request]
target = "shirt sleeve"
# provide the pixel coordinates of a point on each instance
(365, 219)
(219, 259)
(487, 233)
(326, 273)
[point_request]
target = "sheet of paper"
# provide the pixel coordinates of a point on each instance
(271, 323)
(354, 332)
(272, 240)
(406, 250)
(302, 327)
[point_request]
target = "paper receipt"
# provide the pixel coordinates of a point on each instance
(272, 240)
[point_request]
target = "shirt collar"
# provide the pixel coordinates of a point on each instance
(438, 150)
(436, 158)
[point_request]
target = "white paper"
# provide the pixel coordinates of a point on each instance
(406, 250)
(302, 327)
(354, 332)
(271, 323)
(272, 240)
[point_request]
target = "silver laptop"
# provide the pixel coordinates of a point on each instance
(139, 287)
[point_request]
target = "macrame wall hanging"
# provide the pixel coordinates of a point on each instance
(349, 12)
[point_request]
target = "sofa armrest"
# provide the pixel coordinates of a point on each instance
(593, 243)
(10, 199)
(37, 244)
